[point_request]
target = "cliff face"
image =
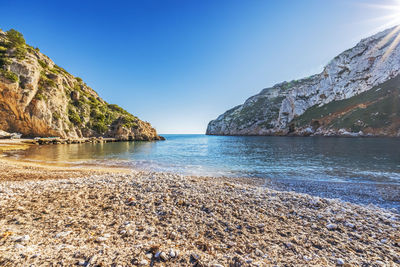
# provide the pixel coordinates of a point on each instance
(281, 110)
(39, 98)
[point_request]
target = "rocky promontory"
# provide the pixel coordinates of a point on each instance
(356, 94)
(39, 98)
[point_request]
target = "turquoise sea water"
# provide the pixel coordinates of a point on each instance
(309, 158)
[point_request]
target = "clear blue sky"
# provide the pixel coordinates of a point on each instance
(179, 64)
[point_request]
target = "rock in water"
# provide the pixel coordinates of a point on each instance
(4, 135)
(356, 94)
(39, 98)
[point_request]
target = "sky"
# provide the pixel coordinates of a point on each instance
(181, 63)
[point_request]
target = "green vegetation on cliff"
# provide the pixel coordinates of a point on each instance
(374, 109)
(13, 47)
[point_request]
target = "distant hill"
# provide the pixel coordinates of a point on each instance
(39, 98)
(356, 94)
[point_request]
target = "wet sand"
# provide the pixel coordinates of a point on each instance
(52, 215)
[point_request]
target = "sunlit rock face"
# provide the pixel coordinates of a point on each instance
(371, 62)
(39, 98)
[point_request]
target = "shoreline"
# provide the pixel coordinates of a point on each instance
(51, 214)
(384, 195)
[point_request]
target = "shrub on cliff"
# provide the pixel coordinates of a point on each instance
(74, 117)
(15, 37)
(9, 75)
(17, 42)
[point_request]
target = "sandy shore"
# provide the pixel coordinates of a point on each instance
(112, 217)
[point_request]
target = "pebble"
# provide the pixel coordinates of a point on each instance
(81, 262)
(19, 246)
(164, 256)
(258, 252)
(151, 230)
(306, 258)
(331, 226)
(21, 238)
(149, 256)
(217, 265)
(143, 263)
(194, 256)
(173, 253)
(289, 245)
(62, 234)
(350, 225)
(101, 239)
(340, 261)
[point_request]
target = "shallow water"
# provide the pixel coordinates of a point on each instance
(304, 158)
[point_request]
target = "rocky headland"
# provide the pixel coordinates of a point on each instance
(39, 98)
(356, 94)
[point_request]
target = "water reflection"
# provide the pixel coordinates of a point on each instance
(339, 159)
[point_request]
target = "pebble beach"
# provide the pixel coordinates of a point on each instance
(100, 217)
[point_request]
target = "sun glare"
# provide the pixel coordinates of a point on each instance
(392, 14)
(389, 19)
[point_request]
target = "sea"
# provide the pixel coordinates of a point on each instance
(333, 159)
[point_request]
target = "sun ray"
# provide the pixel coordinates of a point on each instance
(388, 37)
(390, 19)
(385, 7)
(385, 18)
(392, 46)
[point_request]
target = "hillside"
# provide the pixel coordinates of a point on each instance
(39, 98)
(332, 102)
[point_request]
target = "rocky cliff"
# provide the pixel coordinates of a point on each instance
(332, 102)
(39, 98)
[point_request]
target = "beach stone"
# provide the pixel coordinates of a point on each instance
(289, 245)
(21, 238)
(340, 261)
(101, 239)
(149, 256)
(62, 234)
(331, 226)
(19, 246)
(151, 230)
(258, 252)
(172, 253)
(194, 257)
(164, 256)
(143, 263)
(217, 265)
